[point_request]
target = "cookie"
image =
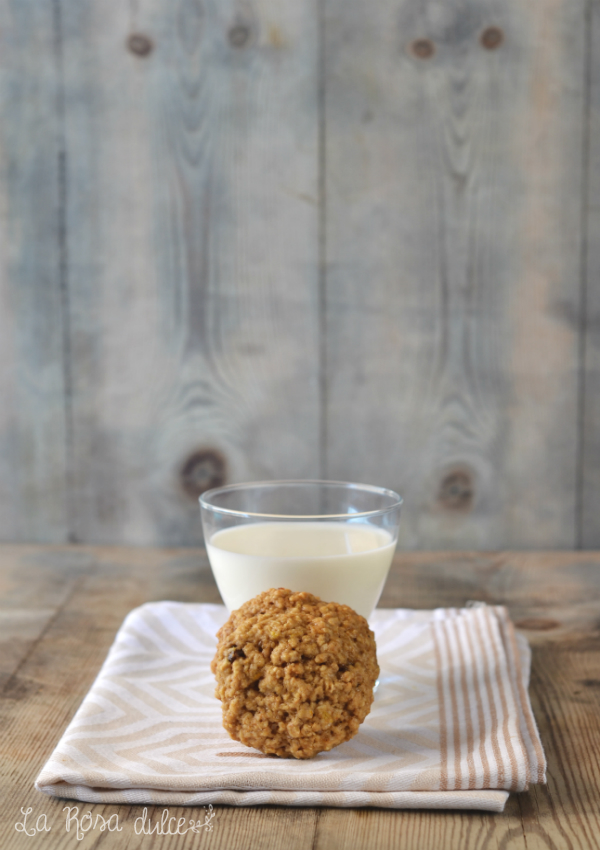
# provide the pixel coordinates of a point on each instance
(295, 675)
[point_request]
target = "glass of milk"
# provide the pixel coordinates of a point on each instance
(330, 538)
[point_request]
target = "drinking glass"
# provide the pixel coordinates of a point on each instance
(331, 538)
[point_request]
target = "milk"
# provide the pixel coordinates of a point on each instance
(339, 562)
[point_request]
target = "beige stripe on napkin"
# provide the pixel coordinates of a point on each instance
(488, 737)
(451, 725)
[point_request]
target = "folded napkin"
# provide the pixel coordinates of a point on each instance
(451, 725)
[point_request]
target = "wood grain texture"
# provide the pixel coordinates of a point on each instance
(254, 239)
(589, 317)
(90, 590)
(33, 503)
(192, 133)
(453, 183)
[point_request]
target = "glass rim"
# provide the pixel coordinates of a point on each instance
(350, 485)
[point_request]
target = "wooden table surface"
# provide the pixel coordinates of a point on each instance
(60, 608)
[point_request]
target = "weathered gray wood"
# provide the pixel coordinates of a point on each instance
(183, 297)
(32, 400)
(193, 246)
(589, 321)
(454, 176)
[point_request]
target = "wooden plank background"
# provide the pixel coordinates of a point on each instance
(590, 313)
(256, 239)
(33, 421)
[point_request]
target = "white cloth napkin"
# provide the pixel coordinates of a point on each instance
(451, 726)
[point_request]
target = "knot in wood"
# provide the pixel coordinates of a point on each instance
(139, 44)
(203, 470)
(239, 35)
(491, 38)
(422, 48)
(456, 491)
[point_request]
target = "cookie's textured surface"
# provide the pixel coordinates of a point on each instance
(295, 675)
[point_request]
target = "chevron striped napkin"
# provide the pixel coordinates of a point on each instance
(451, 726)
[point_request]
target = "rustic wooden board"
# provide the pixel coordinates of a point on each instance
(171, 183)
(162, 321)
(454, 167)
(90, 590)
(589, 318)
(192, 139)
(33, 428)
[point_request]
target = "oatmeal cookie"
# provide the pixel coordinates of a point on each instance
(295, 674)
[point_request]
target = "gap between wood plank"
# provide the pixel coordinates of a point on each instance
(583, 282)
(63, 264)
(322, 229)
(35, 643)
